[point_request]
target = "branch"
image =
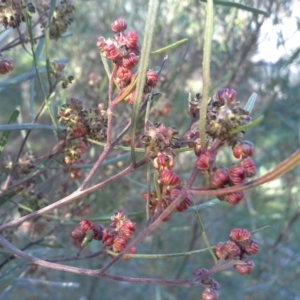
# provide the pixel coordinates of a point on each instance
(95, 273)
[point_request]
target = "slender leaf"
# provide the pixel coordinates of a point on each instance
(239, 6)
(5, 135)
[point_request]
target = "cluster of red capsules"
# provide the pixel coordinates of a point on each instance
(123, 51)
(81, 124)
(115, 239)
(239, 245)
(58, 71)
(158, 141)
(210, 285)
(224, 114)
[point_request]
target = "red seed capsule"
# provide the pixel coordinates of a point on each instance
(243, 150)
(240, 235)
(246, 268)
(118, 25)
(205, 160)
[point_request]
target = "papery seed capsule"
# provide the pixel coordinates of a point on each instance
(210, 294)
(219, 177)
(107, 237)
(79, 130)
(98, 232)
(237, 174)
(86, 225)
(197, 147)
(6, 65)
(130, 61)
(111, 52)
(227, 250)
(184, 204)
(245, 268)
(119, 243)
(220, 251)
(124, 74)
(131, 39)
(243, 150)
(151, 78)
(68, 160)
(163, 161)
(101, 43)
(225, 95)
(233, 250)
(77, 233)
(118, 25)
(168, 177)
(234, 198)
(127, 229)
(249, 166)
(253, 248)
(240, 235)
(136, 49)
(205, 160)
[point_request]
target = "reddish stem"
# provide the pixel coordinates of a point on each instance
(108, 146)
(97, 273)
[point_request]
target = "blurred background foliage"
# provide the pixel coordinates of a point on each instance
(241, 60)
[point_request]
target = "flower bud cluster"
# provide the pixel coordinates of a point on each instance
(87, 231)
(237, 174)
(6, 65)
(62, 18)
(115, 239)
(157, 137)
(13, 12)
(211, 286)
(123, 51)
(158, 141)
(220, 177)
(57, 70)
(225, 114)
(75, 173)
(170, 187)
(81, 124)
(239, 245)
(31, 199)
(119, 237)
(164, 160)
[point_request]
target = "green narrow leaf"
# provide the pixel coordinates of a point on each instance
(251, 102)
(5, 281)
(239, 6)
(40, 47)
(27, 76)
(5, 135)
(156, 69)
(169, 47)
(246, 127)
(205, 205)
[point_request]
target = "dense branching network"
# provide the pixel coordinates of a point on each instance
(82, 126)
